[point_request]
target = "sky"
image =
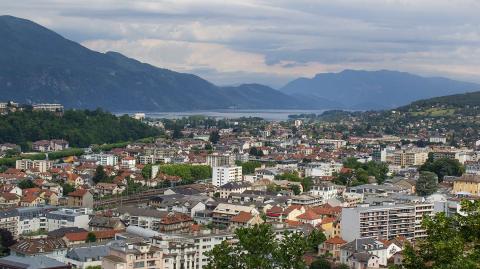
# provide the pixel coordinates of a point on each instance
(272, 42)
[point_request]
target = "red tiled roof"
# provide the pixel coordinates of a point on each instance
(336, 241)
(82, 236)
(242, 217)
(78, 193)
(309, 215)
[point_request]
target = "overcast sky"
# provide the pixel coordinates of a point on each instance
(272, 42)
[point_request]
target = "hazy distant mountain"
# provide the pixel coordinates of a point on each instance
(374, 89)
(38, 65)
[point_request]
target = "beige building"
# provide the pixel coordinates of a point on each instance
(133, 256)
(410, 157)
(467, 183)
(38, 165)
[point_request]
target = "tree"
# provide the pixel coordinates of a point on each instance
(451, 242)
(427, 183)
(6, 241)
(443, 167)
(214, 137)
(320, 263)
(257, 247)
(26, 184)
(91, 237)
(67, 188)
(295, 189)
(147, 171)
(255, 152)
(315, 238)
(177, 132)
(100, 175)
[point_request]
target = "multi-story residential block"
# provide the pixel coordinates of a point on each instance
(9, 221)
(472, 168)
(38, 165)
(103, 159)
(66, 217)
(216, 159)
(223, 174)
(317, 169)
(177, 252)
(48, 107)
(128, 163)
(326, 190)
(161, 221)
(384, 222)
(335, 143)
(461, 155)
(409, 157)
(123, 255)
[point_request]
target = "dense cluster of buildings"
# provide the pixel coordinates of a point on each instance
(54, 208)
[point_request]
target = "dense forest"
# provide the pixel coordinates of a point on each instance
(80, 127)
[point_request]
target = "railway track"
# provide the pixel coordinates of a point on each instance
(140, 197)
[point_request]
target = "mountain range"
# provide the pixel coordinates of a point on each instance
(38, 65)
(382, 89)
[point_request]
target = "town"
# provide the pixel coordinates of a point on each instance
(206, 186)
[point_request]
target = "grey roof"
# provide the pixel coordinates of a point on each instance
(62, 231)
(87, 252)
(362, 257)
(31, 262)
(363, 245)
(235, 185)
(146, 212)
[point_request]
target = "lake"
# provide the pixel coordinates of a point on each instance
(267, 114)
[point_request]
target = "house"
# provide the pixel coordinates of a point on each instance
(9, 199)
(332, 247)
(364, 251)
(100, 223)
(245, 219)
(363, 260)
(233, 187)
(81, 237)
(80, 198)
(31, 200)
(103, 188)
(310, 217)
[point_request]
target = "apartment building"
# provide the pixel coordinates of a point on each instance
(223, 174)
(123, 255)
(48, 107)
(103, 159)
(216, 159)
(9, 221)
(384, 222)
(41, 166)
(335, 143)
(67, 217)
(319, 169)
(409, 157)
